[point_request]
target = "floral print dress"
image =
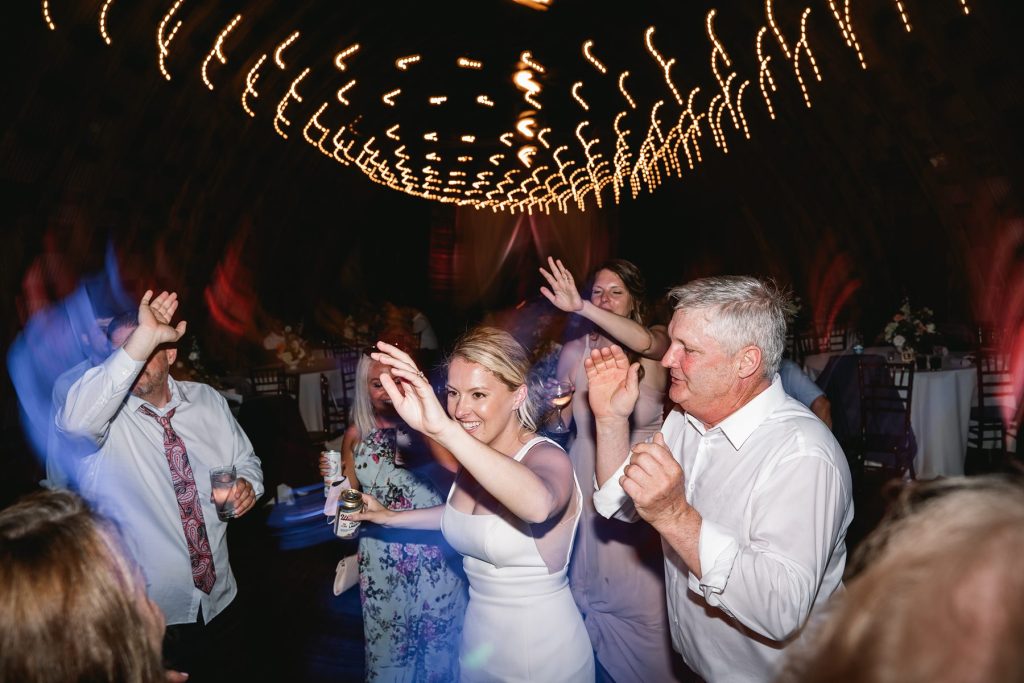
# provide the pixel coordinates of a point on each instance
(413, 593)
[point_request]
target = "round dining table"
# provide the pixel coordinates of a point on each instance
(940, 410)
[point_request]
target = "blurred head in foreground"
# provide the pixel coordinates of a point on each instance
(937, 592)
(72, 607)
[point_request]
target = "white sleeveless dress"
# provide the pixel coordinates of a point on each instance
(522, 623)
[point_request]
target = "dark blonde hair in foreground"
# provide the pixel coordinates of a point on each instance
(500, 353)
(72, 608)
(939, 595)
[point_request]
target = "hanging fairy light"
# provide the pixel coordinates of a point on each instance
(651, 141)
(104, 11)
(218, 49)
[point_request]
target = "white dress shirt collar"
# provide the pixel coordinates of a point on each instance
(179, 395)
(741, 424)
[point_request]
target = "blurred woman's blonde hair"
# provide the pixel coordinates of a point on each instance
(937, 596)
(73, 607)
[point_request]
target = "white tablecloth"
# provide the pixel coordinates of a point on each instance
(309, 388)
(940, 413)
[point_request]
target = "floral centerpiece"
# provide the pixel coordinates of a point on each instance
(910, 329)
(289, 347)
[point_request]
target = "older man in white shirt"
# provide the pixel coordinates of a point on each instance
(749, 490)
(156, 441)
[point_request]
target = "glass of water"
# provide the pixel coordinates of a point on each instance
(222, 485)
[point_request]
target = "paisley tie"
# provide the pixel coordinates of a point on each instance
(203, 573)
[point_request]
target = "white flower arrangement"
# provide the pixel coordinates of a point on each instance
(908, 327)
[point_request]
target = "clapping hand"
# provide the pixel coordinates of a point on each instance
(563, 293)
(417, 405)
(614, 383)
(654, 480)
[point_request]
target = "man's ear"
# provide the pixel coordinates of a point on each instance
(750, 361)
(172, 355)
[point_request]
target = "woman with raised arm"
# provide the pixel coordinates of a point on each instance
(512, 511)
(617, 574)
(413, 600)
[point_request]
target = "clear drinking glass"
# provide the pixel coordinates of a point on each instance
(222, 483)
(560, 394)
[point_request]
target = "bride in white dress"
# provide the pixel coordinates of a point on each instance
(512, 512)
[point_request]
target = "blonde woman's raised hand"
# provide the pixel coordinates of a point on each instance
(415, 400)
(563, 293)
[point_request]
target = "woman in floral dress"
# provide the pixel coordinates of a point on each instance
(413, 594)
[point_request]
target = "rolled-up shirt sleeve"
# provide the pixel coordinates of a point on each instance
(611, 500)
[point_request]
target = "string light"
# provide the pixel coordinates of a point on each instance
(719, 53)
(525, 154)
(523, 80)
(638, 167)
(344, 89)
(46, 16)
(903, 15)
(313, 121)
(527, 59)
(846, 26)
(282, 47)
(802, 46)
(764, 76)
(739, 108)
(339, 59)
(292, 94)
(622, 89)
(404, 62)
(218, 49)
(163, 39)
(775, 29)
(587, 46)
(103, 19)
(250, 84)
(666, 66)
(576, 95)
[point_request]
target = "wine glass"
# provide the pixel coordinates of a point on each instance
(560, 393)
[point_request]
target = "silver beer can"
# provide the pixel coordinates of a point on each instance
(350, 502)
(334, 463)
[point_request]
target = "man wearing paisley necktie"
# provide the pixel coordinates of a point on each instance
(157, 440)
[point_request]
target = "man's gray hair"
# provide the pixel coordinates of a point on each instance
(743, 311)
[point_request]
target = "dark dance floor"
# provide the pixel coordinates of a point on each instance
(298, 631)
